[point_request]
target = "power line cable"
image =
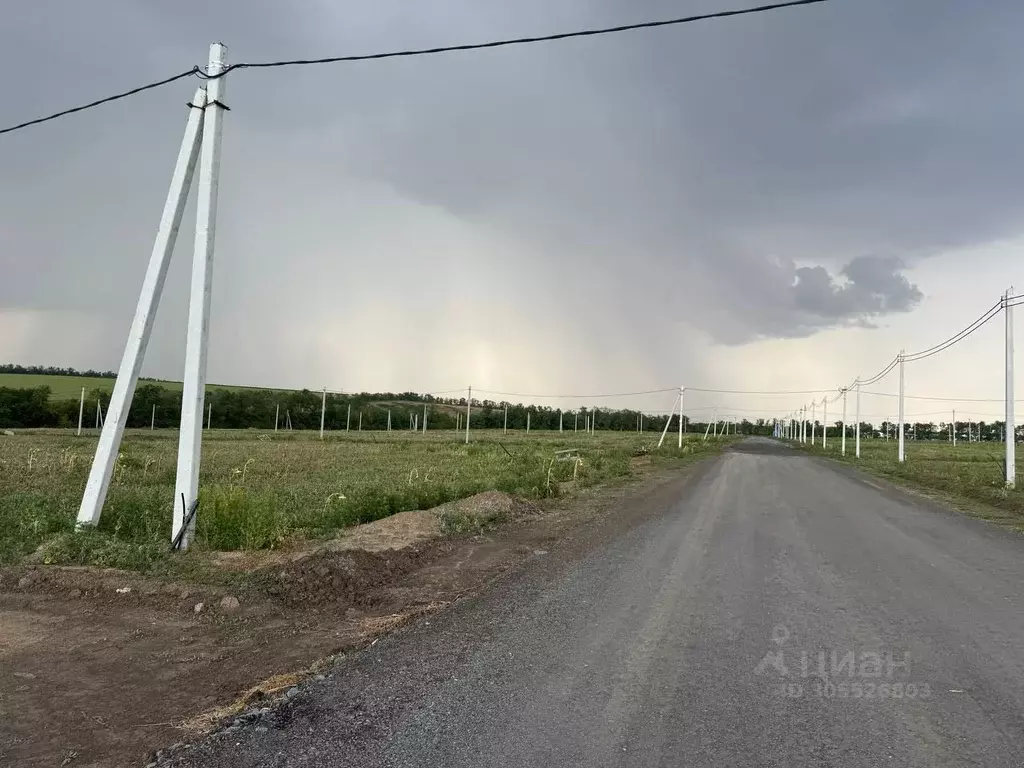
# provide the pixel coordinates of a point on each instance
(955, 339)
(577, 397)
(751, 392)
(106, 100)
(514, 41)
(417, 52)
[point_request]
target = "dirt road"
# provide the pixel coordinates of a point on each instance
(775, 610)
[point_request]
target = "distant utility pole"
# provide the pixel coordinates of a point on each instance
(814, 420)
(277, 416)
(504, 429)
(424, 419)
(1011, 423)
(843, 446)
(323, 411)
(858, 419)
(348, 417)
(81, 411)
(469, 410)
(824, 422)
(682, 391)
(527, 422)
(901, 455)
(152, 419)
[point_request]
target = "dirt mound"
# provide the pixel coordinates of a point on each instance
(352, 570)
(345, 579)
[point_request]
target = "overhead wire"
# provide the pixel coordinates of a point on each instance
(513, 41)
(105, 100)
(577, 397)
(956, 338)
(593, 32)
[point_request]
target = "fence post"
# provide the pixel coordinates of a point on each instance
(1011, 423)
(900, 416)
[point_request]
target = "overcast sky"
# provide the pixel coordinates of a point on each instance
(779, 201)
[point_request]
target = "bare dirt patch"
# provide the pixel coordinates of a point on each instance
(102, 667)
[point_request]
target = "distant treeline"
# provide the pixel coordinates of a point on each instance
(256, 409)
(49, 370)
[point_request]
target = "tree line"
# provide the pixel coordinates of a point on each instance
(252, 408)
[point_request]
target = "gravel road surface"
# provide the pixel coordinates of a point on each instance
(770, 609)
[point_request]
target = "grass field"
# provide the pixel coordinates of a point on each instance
(260, 491)
(971, 475)
(70, 387)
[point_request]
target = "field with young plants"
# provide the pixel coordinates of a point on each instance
(971, 475)
(262, 491)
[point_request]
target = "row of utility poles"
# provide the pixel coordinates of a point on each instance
(795, 425)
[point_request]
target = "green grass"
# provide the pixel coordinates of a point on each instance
(262, 491)
(970, 476)
(70, 387)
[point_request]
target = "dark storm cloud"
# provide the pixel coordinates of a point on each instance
(874, 286)
(655, 175)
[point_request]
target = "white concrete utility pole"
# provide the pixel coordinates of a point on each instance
(469, 410)
(323, 411)
(424, 419)
(857, 408)
(193, 389)
(824, 422)
(900, 454)
(145, 313)
(682, 390)
(1011, 423)
(954, 427)
(81, 411)
(843, 442)
(814, 420)
(668, 420)
(505, 428)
